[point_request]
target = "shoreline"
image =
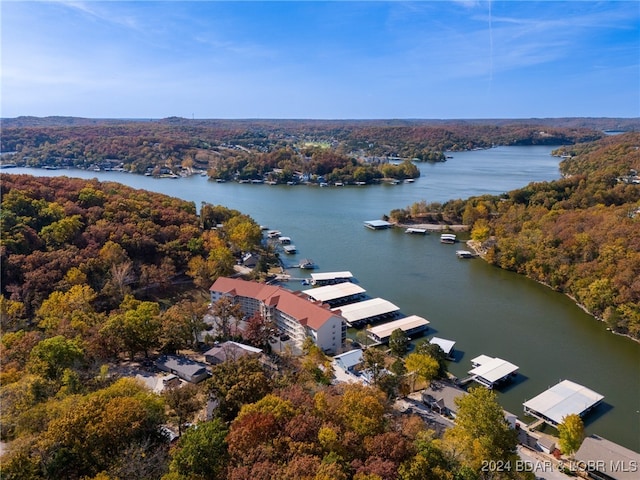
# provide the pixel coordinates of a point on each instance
(435, 227)
(480, 252)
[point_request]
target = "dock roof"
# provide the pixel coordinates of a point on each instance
(563, 399)
(324, 276)
(444, 344)
(359, 311)
(334, 292)
(411, 322)
(493, 370)
(377, 224)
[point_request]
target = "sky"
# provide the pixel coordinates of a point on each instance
(320, 60)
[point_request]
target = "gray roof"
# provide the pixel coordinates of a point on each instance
(231, 351)
(181, 364)
(349, 359)
(610, 458)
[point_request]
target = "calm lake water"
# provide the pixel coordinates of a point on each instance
(484, 309)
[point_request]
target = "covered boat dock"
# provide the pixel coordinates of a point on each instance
(368, 311)
(377, 224)
(337, 294)
(489, 371)
(445, 345)
(410, 325)
(330, 278)
(564, 398)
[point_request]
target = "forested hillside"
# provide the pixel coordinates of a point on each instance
(91, 277)
(580, 235)
(267, 150)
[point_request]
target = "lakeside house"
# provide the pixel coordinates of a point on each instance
(605, 460)
(293, 313)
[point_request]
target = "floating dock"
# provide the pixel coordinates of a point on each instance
(416, 231)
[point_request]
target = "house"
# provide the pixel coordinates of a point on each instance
(441, 397)
(187, 369)
(605, 460)
(348, 361)
(292, 313)
(229, 351)
(250, 260)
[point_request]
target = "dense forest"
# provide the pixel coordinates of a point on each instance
(269, 150)
(98, 279)
(580, 234)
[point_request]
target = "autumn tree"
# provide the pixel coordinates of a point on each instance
(374, 363)
(398, 342)
(225, 310)
(182, 323)
(258, 330)
(481, 432)
(183, 401)
(135, 328)
(52, 356)
(423, 366)
(436, 352)
(571, 433)
(236, 383)
(201, 453)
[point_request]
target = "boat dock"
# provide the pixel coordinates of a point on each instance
(489, 371)
(377, 224)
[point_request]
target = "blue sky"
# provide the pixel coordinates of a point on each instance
(326, 60)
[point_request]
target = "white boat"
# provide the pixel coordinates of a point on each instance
(464, 254)
(418, 231)
(307, 264)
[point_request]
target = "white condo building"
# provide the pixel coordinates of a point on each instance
(294, 314)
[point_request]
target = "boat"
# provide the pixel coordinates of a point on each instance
(448, 238)
(307, 264)
(418, 231)
(464, 254)
(290, 249)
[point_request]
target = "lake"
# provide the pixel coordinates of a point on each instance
(484, 309)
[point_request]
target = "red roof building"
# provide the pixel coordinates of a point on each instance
(293, 313)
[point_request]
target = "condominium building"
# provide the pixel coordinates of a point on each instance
(292, 313)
